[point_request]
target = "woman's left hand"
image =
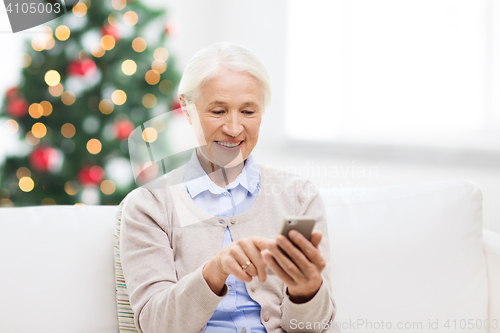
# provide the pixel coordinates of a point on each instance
(302, 274)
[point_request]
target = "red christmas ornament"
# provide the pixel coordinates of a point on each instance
(12, 93)
(110, 30)
(123, 128)
(90, 175)
(17, 107)
(81, 67)
(44, 158)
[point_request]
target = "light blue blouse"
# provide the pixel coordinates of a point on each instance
(237, 312)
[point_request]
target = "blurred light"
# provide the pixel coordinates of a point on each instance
(68, 130)
(108, 187)
(106, 106)
(32, 140)
(113, 19)
(35, 110)
(80, 9)
(97, 50)
(107, 42)
(159, 66)
(26, 184)
(38, 130)
(149, 134)
(50, 43)
(130, 18)
(119, 97)
(48, 201)
(52, 78)
(94, 146)
(149, 101)
(129, 67)
(56, 90)
(26, 60)
(139, 44)
(47, 108)
(152, 77)
(79, 204)
(166, 86)
(11, 126)
(118, 4)
(37, 44)
(68, 97)
(23, 172)
(71, 187)
(161, 54)
(62, 33)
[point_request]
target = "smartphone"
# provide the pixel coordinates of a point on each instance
(303, 224)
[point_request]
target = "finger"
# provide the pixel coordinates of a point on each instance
(253, 252)
(276, 269)
(242, 259)
(286, 264)
(297, 257)
(316, 237)
(234, 267)
(311, 253)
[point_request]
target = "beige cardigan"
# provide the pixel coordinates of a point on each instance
(166, 239)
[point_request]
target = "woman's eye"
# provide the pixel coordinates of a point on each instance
(217, 111)
(248, 112)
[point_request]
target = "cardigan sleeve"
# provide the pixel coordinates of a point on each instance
(161, 303)
(317, 314)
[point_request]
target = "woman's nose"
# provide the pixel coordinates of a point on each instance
(232, 126)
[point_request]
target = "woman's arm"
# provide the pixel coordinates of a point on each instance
(161, 302)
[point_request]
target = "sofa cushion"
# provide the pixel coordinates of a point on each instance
(408, 256)
(56, 272)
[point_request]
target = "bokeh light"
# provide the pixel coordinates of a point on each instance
(48, 201)
(80, 9)
(139, 44)
(152, 77)
(68, 130)
(161, 54)
(97, 50)
(47, 108)
(26, 184)
(31, 139)
(149, 134)
(35, 110)
(68, 97)
(159, 66)
(107, 42)
(62, 33)
(11, 126)
(149, 101)
(130, 18)
(26, 60)
(71, 187)
(23, 172)
(38, 130)
(108, 187)
(52, 78)
(94, 146)
(106, 106)
(119, 97)
(56, 90)
(129, 67)
(118, 4)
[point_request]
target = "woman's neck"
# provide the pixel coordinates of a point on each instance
(219, 175)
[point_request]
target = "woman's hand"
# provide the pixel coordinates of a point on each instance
(231, 259)
(302, 274)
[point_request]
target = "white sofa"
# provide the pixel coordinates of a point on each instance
(414, 257)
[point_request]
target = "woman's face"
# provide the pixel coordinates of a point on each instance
(228, 113)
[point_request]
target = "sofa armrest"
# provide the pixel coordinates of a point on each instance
(491, 245)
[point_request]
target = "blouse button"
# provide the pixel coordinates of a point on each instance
(266, 318)
(233, 221)
(221, 222)
(252, 289)
(243, 330)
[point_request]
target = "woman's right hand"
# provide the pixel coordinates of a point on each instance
(231, 258)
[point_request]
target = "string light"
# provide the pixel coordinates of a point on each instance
(80, 9)
(107, 42)
(152, 77)
(49, 44)
(31, 139)
(161, 54)
(35, 110)
(11, 126)
(159, 66)
(26, 184)
(23, 172)
(106, 106)
(149, 101)
(129, 67)
(71, 187)
(68, 130)
(26, 60)
(52, 78)
(62, 33)
(149, 134)
(113, 19)
(119, 4)
(68, 97)
(119, 97)
(38, 130)
(47, 108)
(56, 90)
(94, 146)
(139, 44)
(108, 187)
(97, 50)
(130, 18)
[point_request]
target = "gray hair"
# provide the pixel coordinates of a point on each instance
(212, 60)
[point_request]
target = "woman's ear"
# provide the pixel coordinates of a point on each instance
(185, 109)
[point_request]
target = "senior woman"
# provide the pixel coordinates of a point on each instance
(196, 249)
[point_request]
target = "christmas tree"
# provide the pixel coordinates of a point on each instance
(100, 71)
